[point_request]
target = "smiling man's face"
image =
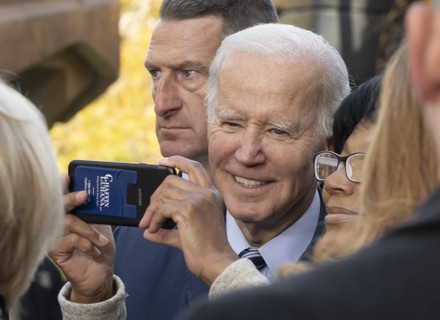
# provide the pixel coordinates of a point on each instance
(262, 138)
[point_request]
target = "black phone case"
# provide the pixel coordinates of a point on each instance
(118, 192)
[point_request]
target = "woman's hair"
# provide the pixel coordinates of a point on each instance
(31, 203)
(400, 167)
(401, 164)
(283, 42)
(359, 106)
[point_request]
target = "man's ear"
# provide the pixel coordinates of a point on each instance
(423, 34)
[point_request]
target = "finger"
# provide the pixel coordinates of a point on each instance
(65, 181)
(158, 217)
(69, 244)
(195, 170)
(105, 230)
(173, 188)
(181, 211)
(146, 219)
(156, 200)
(77, 226)
(87, 247)
(169, 204)
(74, 199)
(163, 236)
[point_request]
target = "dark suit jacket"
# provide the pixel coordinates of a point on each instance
(157, 280)
(397, 278)
(41, 298)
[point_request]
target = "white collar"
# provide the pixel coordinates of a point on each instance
(288, 246)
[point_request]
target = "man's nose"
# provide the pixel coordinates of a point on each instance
(166, 96)
(250, 151)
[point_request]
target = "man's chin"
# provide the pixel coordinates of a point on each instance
(173, 148)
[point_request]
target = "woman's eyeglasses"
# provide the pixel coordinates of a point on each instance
(328, 162)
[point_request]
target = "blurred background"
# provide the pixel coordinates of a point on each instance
(81, 62)
(119, 125)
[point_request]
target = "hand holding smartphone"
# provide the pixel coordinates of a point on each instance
(118, 192)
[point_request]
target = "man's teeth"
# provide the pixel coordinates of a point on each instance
(247, 182)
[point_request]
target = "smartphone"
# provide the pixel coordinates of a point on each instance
(118, 193)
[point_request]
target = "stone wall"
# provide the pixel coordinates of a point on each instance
(62, 54)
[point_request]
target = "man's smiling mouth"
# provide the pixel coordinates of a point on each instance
(249, 183)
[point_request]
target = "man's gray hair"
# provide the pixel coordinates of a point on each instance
(287, 42)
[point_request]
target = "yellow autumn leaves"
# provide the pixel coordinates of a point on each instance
(119, 126)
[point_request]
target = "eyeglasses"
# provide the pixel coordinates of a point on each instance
(328, 162)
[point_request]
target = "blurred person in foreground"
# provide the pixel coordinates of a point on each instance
(31, 215)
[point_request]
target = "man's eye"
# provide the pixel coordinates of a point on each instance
(154, 74)
(278, 132)
(230, 125)
(188, 74)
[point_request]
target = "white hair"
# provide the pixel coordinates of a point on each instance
(31, 203)
(287, 42)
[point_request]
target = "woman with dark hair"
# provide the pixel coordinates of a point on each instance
(341, 170)
(360, 105)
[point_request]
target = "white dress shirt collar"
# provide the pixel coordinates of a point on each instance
(287, 246)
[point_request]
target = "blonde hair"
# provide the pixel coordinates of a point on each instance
(400, 167)
(31, 203)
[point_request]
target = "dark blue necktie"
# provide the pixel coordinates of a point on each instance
(255, 256)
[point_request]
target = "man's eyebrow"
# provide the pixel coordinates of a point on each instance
(185, 65)
(285, 126)
(227, 116)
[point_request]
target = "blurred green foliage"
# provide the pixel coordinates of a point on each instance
(119, 126)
